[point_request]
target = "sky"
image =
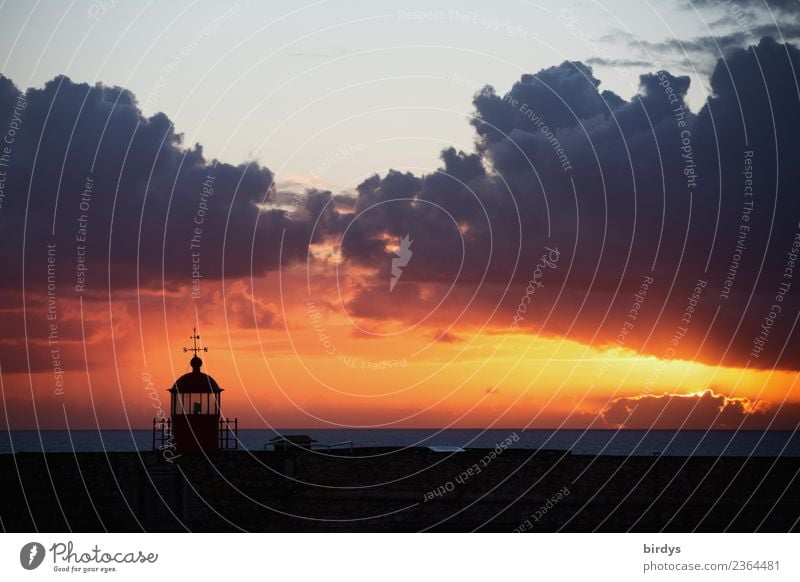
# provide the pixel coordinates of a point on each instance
(464, 214)
(290, 83)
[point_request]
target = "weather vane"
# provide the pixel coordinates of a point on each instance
(195, 348)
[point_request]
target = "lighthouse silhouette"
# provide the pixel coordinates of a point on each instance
(195, 404)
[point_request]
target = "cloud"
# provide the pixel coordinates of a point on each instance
(243, 309)
(711, 48)
(651, 189)
(98, 200)
(730, 25)
(735, 25)
(781, 6)
(446, 337)
(91, 175)
(605, 62)
(625, 188)
(705, 410)
(31, 344)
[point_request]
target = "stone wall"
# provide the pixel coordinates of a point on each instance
(396, 490)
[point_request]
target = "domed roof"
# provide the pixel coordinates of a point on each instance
(195, 381)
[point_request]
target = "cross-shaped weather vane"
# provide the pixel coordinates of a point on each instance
(195, 348)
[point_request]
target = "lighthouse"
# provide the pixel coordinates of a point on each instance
(195, 423)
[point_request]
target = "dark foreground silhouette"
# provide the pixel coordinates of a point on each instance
(390, 490)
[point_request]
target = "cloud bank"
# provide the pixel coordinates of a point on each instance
(626, 189)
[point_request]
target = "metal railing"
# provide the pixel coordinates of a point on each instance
(333, 445)
(162, 434)
(228, 439)
(286, 444)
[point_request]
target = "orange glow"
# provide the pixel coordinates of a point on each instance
(311, 364)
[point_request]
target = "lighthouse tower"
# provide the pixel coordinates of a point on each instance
(195, 406)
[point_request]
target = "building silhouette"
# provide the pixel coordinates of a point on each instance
(195, 422)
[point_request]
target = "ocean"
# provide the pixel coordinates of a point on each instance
(592, 442)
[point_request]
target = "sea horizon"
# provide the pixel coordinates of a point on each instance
(601, 441)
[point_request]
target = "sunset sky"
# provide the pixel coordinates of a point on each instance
(463, 215)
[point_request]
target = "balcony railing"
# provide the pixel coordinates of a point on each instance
(227, 434)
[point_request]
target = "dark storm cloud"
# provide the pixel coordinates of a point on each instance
(627, 190)
(85, 164)
(707, 410)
